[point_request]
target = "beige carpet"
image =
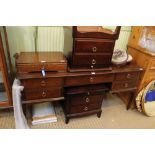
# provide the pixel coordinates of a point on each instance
(114, 116)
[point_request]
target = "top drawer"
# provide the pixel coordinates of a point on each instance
(85, 80)
(93, 46)
(127, 76)
(42, 82)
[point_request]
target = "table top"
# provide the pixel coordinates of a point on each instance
(115, 69)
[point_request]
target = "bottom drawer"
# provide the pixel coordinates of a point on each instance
(42, 93)
(84, 108)
(124, 85)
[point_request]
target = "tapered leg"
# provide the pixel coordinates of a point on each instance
(66, 120)
(99, 114)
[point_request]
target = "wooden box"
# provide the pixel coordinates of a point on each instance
(27, 62)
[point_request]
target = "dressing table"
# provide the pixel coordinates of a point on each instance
(87, 87)
(81, 79)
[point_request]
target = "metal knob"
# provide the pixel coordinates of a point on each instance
(87, 99)
(93, 61)
(43, 94)
(91, 79)
(94, 49)
(85, 108)
(43, 83)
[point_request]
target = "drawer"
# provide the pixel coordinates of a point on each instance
(127, 76)
(92, 79)
(84, 108)
(124, 85)
(76, 100)
(42, 93)
(94, 46)
(91, 59)
(42, 83)
(25, 68)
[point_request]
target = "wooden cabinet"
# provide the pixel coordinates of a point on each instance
(6, 75)
(86, 100)
(143, 57)
(92, 47)
(41, 87)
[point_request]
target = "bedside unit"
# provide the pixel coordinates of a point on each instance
(84, 100)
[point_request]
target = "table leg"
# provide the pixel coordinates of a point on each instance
(131, 100)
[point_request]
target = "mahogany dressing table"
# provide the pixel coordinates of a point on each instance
(82, 91)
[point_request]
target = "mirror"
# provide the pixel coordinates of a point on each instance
(5, 70)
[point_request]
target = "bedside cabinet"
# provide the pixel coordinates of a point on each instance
(84, 100)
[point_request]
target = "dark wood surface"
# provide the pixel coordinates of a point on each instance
(95, 32)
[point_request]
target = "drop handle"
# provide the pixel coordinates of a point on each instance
(87, 100)
(93, 61)
(43, 94)
(43, 83)
(94, 49)
(85, 108)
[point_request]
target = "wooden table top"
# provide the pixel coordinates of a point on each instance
(40, 57)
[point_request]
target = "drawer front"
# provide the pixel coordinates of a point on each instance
(38, 67)
(91, 59)
(42, 83)
(83, 80)
(84, 108)
(76, 100)
(124, 85)
(94, 46)
(42, 93)
(127, 76)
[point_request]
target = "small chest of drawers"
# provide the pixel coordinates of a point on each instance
(92, 47)
(42, 88)
(81, 101)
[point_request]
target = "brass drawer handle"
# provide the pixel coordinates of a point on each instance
(43, 94)
(128, 76)
(87, 99)
(126, 85)
(43, 83)
(91, 79)
(85, 108)
(93, 61)
(94, 49)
